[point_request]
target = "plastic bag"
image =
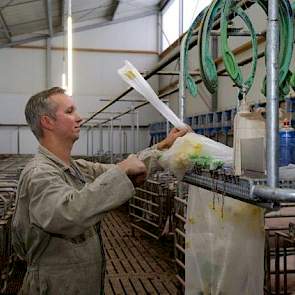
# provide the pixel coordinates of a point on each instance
(224, 245)
(130, 75)
(195, 149)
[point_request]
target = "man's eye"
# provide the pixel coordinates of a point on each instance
(69, 111)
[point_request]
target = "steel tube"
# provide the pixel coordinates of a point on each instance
(273, 194)
(112, 141)
(272, 92)
(181, 82)
(120, 139)
(137, 131)
(133, 129)
(100, 139)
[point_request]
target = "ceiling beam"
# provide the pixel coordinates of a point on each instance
(34, 38)
(163, 4)
(5, 27)
(113, 9)
(48, 9)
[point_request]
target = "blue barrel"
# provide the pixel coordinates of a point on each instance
(287, 147)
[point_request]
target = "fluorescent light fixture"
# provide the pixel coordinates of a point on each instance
(70, 51)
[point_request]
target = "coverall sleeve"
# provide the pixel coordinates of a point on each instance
(59, 208)
(93, 169)
(150, 157)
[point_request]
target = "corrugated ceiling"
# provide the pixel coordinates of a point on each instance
(23, 21)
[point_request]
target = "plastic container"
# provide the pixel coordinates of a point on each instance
(287, 146)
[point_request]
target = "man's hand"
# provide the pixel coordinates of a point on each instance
(135, 169)
(171, 137)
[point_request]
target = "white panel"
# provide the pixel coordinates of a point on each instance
(22, 71)
(28, 142)
(8, 140)
(138, 34)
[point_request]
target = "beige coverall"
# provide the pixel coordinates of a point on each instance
(56, 226)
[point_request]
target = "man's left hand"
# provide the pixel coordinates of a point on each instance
(171, 137)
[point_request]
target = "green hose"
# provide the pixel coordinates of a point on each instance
(190, 82)
(229, 60)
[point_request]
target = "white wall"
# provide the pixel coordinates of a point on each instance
(23, 73)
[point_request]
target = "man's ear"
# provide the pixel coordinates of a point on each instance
(47, 122)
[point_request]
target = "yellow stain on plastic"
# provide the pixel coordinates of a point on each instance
(191, 220)
(130, 75)
(188, 244)
(198, 149)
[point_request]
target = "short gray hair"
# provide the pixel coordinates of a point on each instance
(40, 105)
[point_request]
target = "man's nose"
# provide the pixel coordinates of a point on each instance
(78, 118)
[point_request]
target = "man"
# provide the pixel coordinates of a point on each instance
(61, 202)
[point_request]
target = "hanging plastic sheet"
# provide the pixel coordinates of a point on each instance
(224, 252)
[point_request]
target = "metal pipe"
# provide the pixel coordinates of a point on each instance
(176, 73)
(133, 128)
(272, 92)
(92, 143)
(240, 33)
(167, 122)
(18, 141)
(87, 139)
(137, 131)
(48, 63)
(100, 139)
(109, 137)
(274, 194)
(125, 142)
(120, 139)
(181, 82)
(112, 141)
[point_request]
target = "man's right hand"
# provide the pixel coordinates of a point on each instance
(135, 169)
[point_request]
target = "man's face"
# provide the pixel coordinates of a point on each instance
(67, 122)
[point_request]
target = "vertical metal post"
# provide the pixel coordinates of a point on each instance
(120, 139)
(272, 91)
(124, 142)
(112, 141)
(137, 131)
(133, 128)
(100, 139)
(92, 143)
(48, 63)
(18, 140)
(180, 17)
(167, 122)
(87, 139)
(181, 97)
